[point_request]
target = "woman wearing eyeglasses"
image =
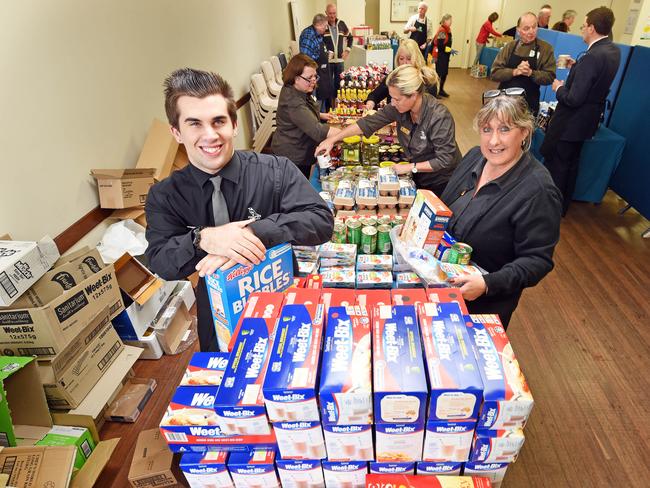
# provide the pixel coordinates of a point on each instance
(505, 206)
(299, 124)
(425, 128)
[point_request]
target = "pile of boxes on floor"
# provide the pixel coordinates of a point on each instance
(322, 385)
(63, 363)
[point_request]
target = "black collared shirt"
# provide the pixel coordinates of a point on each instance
(290, 210)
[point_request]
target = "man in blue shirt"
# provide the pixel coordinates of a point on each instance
(312, 44)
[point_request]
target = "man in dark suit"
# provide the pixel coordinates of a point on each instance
(581, 102)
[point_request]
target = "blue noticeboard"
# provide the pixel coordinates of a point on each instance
(488, 56)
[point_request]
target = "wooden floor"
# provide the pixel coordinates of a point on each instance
(582, 337)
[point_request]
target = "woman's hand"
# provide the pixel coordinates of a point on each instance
(324, 147)
(471, 287)
(403, 169)
(370, 105)
(327, 116)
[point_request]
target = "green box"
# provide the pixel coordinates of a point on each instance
(63, 435)
(23, 408)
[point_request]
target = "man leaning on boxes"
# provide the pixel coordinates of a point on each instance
(227, 206)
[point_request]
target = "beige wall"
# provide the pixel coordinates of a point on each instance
(81, 82)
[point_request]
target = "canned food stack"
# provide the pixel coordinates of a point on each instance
(337, 261)
(374, 271)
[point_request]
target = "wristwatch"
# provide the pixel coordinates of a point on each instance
(196, 237)
(414, 169)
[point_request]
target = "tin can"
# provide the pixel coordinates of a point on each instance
(460, 253)
(383, 239)
(397, 220)
(340, 233)
(354, 232)
(383, 220)
(371, 221)
(368, 240)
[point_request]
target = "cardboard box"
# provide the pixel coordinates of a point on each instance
(448, 295)
(229, 290)
(496, 446)
(495, 472)
(300, 440)
(266, 305)
(409, 481)
(38, 466)
(399, 442)
(149, 343)
(438, 469)
(205, 470)
(134, 213)
(88, 475)
(337, 297)
(131, 400)
(426, 222)
(135, 280)
(161, 151)
(205, 369)
(408, 296)
(253, 468)
(123, 188)
(349, 442)
(369, 299)
(46, 331)
(23, 408)
(152, 462)
(22, 264)
(300, 473)
(173, 324)
(70, 375)
(392, 468)
(303, 296)
(79, 437)
(448, 441)
(63, 276)
(346, 474)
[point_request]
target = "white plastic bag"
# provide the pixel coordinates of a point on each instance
(123, 236)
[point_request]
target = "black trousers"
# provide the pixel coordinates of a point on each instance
(562, 162)
(205, 322)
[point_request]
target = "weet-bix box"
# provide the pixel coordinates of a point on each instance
(448, 295)
(399, 442)
(507, 398)
(206, 470)
(253, 469)
(310, 297)
(399, 381)
(456, 386)
(496, 446)
(300, 474)
(229, 290)
(337, 297)
(408, 296)
(239, 404)
(190, 424)
(205, 369)
(392, 468)
(349, 442)
(345, 389)
(448, 441)
(495, 472)
(290, 385)
(369, 299)
(438, 469)
(265, 305)
(345, 474)
(300, 440)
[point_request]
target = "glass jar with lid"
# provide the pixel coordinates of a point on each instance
(351, 150)
(370, 151)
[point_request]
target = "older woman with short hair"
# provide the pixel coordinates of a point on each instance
(505, 206)
(299, 124)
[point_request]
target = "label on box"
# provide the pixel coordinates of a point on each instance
(496, 446)
(253, 468)
(290, 385)
(405, 480)
(310, 297)
(374, 279)
(345, 474)
(374, 262)
(349, 442)
(426, 222)
(399, 382)
(456, 386)
(339, 277)
(437, 469)
(300, 474)
(205, 369)
(408, 296)
(392, 468)
(229, 290)
(239, 404)
(369, 299)
(507, 398)
(300, 440)
(448, 295)
(448, 441)
(206, 470)
(345, 384)
(495, 472)
(337, 297)
(407, 280)
(265, 305)
(399, 442)
(191, 414)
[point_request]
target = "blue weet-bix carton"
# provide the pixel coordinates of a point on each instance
(399, 378)
(456, 385)
(392, 468)
(349, 442)
(239, 404)
(345, 390)
(496, 446)
(399, 442)
(345, 474)
(292, 374)
(206, 469)
(438, 469)
(253, 468)
(228, 290)
(495, 472)
(300, 440)
(300, 474)
(205, 369)
(448, 441)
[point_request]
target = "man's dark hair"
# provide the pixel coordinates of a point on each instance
(199, 84)
(602, 18)
(493, 16)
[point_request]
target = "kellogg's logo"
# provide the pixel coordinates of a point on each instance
(238, 272)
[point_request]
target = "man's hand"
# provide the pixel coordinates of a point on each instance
(327, 116)
(234, 241)
(211, 263)
(324, 147)
(345, 54)
(471, 287)
(522, 70)
(570, 62)
(557, 84)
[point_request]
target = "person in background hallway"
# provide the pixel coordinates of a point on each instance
(420, 28)
(312, 44)
(226, 206)
(560, 27)
(299, 124)
(442, 52)
(544, 16)
(407, 53)
(527, 62)
(581, 102)
(338, 40)
(505, 206)
(484, 33)
(569, 18)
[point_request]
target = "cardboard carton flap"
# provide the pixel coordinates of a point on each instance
(132, 213)
(159, 150)
(39, 466)
(136, 280)
(95, 464)
(112, 174)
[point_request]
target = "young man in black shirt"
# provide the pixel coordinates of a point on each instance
(226, 206)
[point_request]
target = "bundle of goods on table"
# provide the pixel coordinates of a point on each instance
(315, 393)
(355, 85)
